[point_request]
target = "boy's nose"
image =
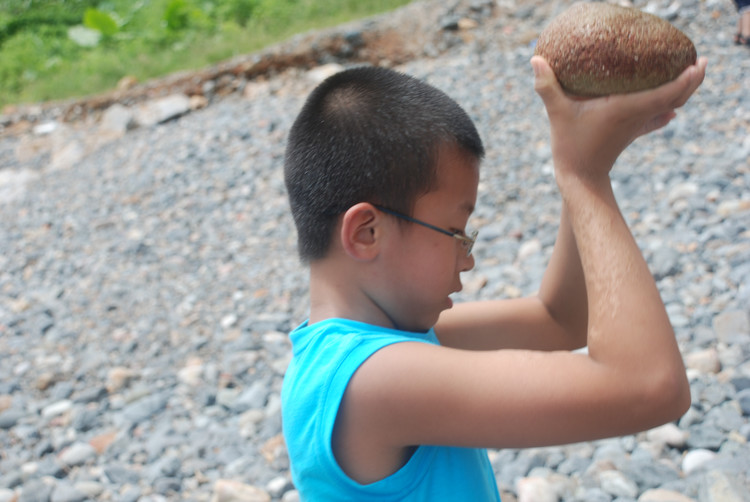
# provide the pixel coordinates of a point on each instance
(467, 262)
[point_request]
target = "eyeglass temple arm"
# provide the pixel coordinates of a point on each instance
(419, 222)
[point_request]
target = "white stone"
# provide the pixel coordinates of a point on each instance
(529, 248)
(682, 191)
(227, 490)
(662, 495)
(91, 489)
(695, 459)
(7, 495)
(535, 489)
(28, 469)
(45, 128)
(117, 118)
(615, 483)
(291, 496)
(730, 207)
(56, 409)
(191, 374)
(277, 486)
(228, 321)
(705, 361)
(562, 486)
(77, 454)
(161, 110)
(668, 434)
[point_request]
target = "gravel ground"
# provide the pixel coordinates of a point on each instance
(148, 280)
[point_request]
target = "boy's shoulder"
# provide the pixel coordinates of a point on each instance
(339, 334)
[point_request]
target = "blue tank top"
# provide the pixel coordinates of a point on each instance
(325, 356)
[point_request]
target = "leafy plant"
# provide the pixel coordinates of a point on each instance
(177, 15)
(241, 11)
(54, 49)
(100, 21)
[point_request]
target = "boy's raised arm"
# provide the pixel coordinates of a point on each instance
(587, 137)
(628, 326)
(633, 377)
(555, 318)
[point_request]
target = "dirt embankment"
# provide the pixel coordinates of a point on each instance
(421, 29)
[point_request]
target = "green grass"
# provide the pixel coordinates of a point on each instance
(42, 59)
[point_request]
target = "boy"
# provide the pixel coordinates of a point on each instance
(393, 393)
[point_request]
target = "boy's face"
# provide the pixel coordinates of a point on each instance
(425, 264)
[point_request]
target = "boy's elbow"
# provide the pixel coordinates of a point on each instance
(681, 389)
(670, 395)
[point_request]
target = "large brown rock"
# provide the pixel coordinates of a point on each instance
(598, 49)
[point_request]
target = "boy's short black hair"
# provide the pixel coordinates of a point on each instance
(367, 134)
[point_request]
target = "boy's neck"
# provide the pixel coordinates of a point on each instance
(335, 293)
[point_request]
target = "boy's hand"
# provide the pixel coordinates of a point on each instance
(588, 135)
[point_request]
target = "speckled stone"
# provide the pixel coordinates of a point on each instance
(597, 49)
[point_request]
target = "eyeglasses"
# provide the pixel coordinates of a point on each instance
(467, 241)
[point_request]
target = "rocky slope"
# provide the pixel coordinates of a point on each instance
(148, 273)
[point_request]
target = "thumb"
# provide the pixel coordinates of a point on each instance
(545, 82)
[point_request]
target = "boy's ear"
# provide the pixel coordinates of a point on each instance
(361, 229)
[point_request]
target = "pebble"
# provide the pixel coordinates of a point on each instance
(695, 459)
(617, 484)
(731, 323)
(535, 489)
(662, 495)
(9, 418)
(722, 488)
(233, 491)
(149, 276)
(278, 486)
(91, 489)
(668, 434)
(65, 492)
(118, 378)
(77, 454)
(291, 496)
(57, 408)
(161, 110)
(704, 361)
(36, 490)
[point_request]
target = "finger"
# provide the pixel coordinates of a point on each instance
(674, 94)
(695, 75)
(545, 82)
